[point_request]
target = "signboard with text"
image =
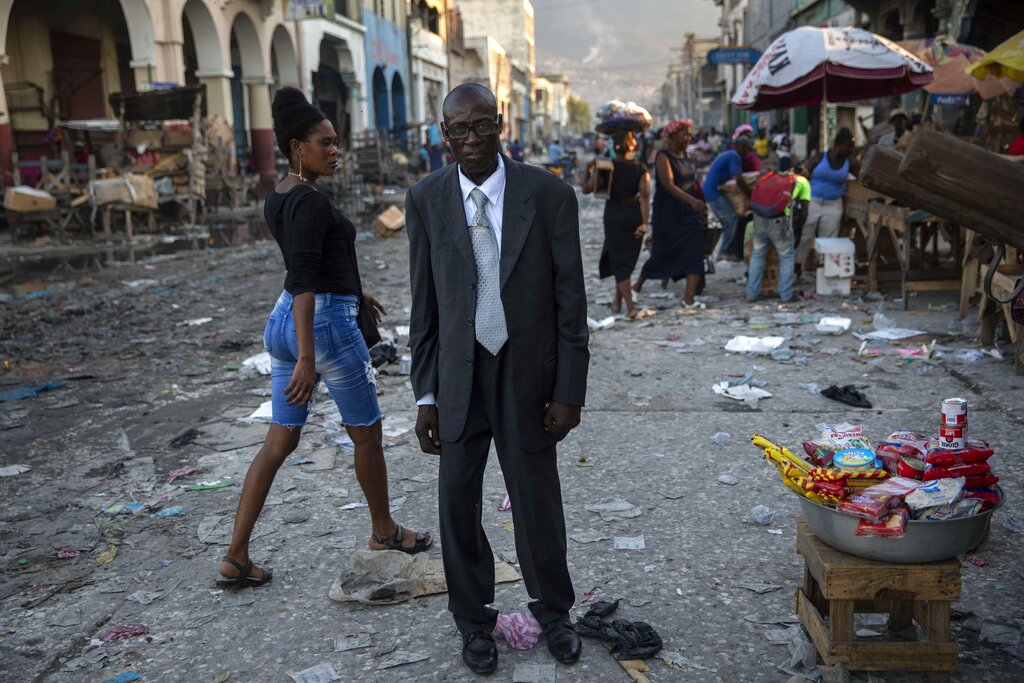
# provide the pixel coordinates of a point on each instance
(955, 100)
(734, 55)
(298, 10)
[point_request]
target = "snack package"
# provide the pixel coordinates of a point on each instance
(840, 436)
(869, 506)
(893, 525)
(981, 481)
(935, 493)
(962, 508)
(818, 454)
(976, 451)
(989, 497)
(894, 486)
(974, 469)
(911, 443)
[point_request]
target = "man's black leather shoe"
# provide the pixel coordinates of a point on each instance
(480, 653)
(563, 641)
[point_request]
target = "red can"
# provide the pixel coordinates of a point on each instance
(953, 438)
(909, 467)
(954, 411)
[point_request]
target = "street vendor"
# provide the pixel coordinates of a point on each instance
(828, 173)
(628, 207)
(898, 119)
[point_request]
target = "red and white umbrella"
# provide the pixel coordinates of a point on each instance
(810, 65)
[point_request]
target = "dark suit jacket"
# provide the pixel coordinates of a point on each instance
(541, 290)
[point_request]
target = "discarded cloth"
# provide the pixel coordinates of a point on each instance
(847, 394)
(19, 393)
(630, 639)
(521, 630)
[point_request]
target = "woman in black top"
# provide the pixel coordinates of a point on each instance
(626, 213)
(311, 334)
(680, 216)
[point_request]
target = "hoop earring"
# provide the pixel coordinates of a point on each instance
(300, 166)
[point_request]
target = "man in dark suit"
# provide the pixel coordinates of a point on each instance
(499, 351)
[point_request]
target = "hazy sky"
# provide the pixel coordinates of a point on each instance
(617, 48)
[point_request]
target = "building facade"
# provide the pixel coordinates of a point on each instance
(63, 58)
(428, 53)
(387, 66)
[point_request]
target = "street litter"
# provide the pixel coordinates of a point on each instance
(629, 639)
(355, 641)
(321, 673)
(13, 470)
(145, 597)
(210, 485)
(977, 561)
(629, 543)
(759, 588)
(889, 334)
(260, 363)
(68, 553)
(506, 504)
(720, 438)
(602, 324)
(802, 656)
(588, 536)
(534, 673)
(196, 322)
(265, 413)
(615, 509)
(353, 506)
(123, 632)
(762, 514)
(742, 392)
(847, 394)
(183, 472)
(125, 509)
(31, 391)
(389, 222)
(833, 325)
(124, 677)
(380, 577)
(400, 658)
(521, 630)
(108, 555)
(728, 480)
(742, 344)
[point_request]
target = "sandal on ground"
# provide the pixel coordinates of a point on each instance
(244, 580)
(695, 306)
(423, 541)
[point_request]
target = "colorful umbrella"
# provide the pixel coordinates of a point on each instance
(811, 65)
(950, 61)
(1006, 60)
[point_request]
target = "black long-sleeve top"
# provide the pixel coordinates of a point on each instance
(316, 241)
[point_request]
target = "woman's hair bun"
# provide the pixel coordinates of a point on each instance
(294, 117)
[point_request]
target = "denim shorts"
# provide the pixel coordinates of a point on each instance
(342, 360)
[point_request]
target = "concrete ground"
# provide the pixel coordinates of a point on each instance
(145, 393)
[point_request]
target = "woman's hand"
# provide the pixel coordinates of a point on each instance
(378, 310)
(300, 388)
(640, 231)
(649, 241)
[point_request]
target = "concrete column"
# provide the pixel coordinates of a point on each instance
(6, 136)
(261, 134)
(218, 94)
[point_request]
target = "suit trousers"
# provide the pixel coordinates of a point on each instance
(531, 480)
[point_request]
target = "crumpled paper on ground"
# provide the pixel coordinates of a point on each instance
(380, 577)
(615, 509)
(260, 363)
(742, 392)
(521, 630)
(742, 344)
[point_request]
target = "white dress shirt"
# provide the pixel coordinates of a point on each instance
(494, 188)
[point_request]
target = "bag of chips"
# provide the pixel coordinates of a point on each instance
(976, 451)
(935, 493)
(892, 525)
(974, 469)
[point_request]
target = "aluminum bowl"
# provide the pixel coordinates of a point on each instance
(922, 542)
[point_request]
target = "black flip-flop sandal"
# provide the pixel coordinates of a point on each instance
(423, 541)
(243, 580)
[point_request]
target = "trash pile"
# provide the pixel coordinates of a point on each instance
(908, 476)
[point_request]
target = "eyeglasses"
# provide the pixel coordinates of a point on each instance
(460, 131)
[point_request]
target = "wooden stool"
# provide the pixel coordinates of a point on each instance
(837, 585)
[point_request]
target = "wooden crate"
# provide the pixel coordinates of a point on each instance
(837, 585)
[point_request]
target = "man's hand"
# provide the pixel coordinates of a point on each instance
(560, 419)
(426, 430)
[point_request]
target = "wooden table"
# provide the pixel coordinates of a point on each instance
(837, 585)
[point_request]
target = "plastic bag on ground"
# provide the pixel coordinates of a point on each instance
(380, 577)
(521, 630)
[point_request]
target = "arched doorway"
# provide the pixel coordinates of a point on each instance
(284, 65)
(381, 110)
(398, 109)
(330, 91)
(203, 60)
(250, 96)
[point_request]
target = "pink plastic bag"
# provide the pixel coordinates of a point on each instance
(520, 630)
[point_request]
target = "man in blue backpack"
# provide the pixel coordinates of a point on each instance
(779, 203)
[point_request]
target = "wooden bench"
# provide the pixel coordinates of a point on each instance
(837, 585)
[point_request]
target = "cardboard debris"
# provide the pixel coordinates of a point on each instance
(389, 222)
(24, 198)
